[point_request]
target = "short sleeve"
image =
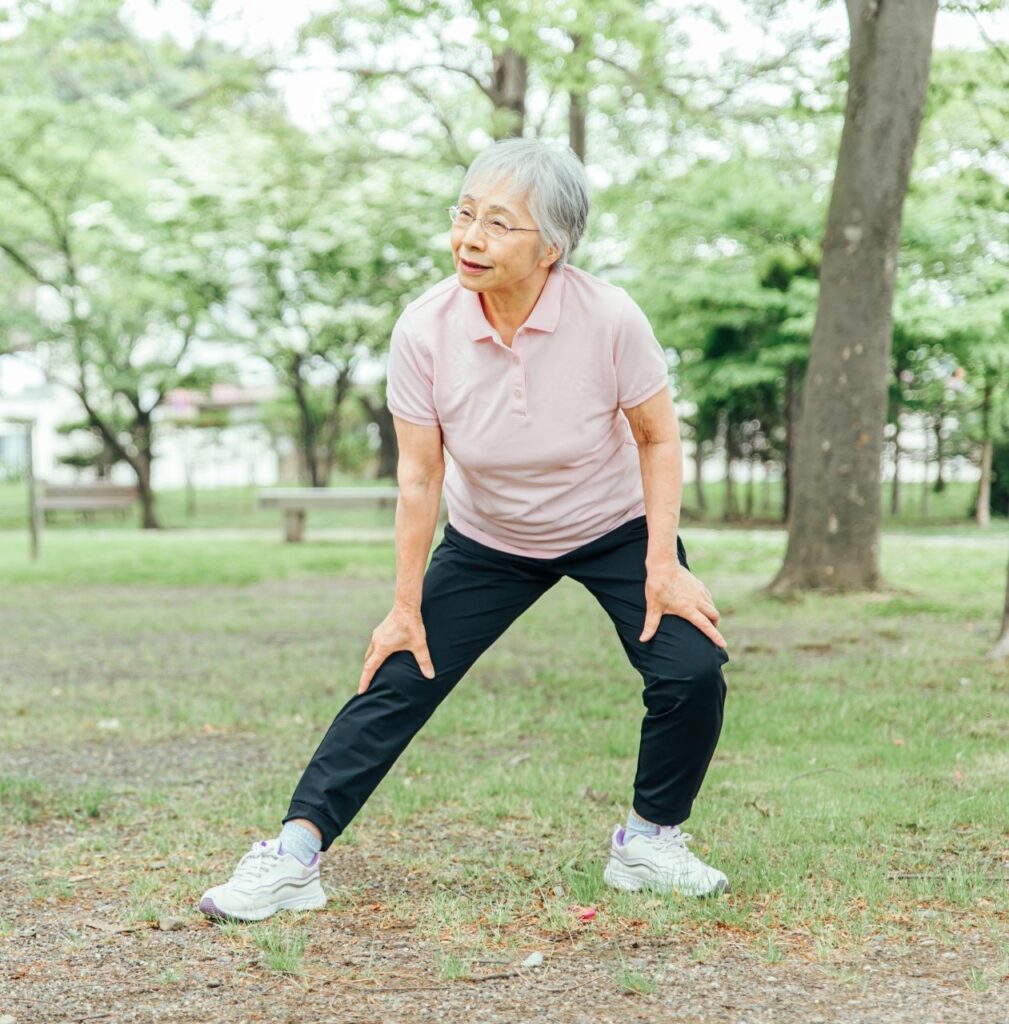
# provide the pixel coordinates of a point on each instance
(410, 379)
(638, 358)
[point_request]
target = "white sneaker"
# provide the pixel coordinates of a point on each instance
(265, 881)
(660, 862)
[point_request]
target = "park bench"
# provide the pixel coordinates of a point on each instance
(297, 502)
(86, 499)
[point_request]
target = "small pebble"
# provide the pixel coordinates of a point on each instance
(214, 984)
(7, 1019)
(532, 960)
(171, 924)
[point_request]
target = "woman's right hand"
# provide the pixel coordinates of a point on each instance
(401, 630)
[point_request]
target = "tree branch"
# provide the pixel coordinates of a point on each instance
(988, 39)
(364, 73)
(25, 264)
(442, 120)
(19, 183)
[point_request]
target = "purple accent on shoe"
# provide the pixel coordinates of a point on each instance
(208, 906)
(310, 864)
(621, 835)
(262, 842)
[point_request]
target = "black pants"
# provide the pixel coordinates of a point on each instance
(471, 595)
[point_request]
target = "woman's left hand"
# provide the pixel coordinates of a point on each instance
(672, 589)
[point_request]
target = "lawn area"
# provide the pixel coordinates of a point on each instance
(161, 692)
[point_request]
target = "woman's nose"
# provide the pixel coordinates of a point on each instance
(473, 234)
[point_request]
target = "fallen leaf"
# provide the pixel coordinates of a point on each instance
(583, 913)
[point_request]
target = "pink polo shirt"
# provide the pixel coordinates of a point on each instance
(542, 460)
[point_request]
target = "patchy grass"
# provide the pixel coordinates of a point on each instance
(159, 697)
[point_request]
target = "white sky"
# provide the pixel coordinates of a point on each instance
(259, 25)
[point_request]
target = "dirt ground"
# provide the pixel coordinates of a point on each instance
(358, 970)
(82, 959)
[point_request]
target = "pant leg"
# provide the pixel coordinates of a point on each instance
(471, 594)
(681, 667)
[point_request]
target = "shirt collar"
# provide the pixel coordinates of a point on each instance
(545, 314)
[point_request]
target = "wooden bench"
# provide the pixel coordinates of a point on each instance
(296, 502)
(87, 498)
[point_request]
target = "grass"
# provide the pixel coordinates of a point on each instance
(283, 949)
(859, 791)
(27, 800)
(632, 980)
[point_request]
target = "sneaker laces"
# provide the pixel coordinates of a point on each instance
(674, 837)
(257, 862)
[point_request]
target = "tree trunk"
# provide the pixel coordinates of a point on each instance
(142, 467)
(924, 480)
(982, 508)
(1001, 649)
(940, 455)
(750, 485)
(982, 511)
(730, 511)
(833, 537)
(576, 125)
(895, 491)
(307, 433)
(333, 428)
(702, 502)
(144, 442)
(576, 105)
(509, 82)
(388, 447)
(792, 413)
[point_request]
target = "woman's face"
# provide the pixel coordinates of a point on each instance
(484, 263)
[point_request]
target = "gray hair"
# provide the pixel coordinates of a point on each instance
(551, 179)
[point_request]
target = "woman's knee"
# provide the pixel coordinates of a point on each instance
(697, 686)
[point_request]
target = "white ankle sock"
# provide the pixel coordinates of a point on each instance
(299, 841)
(637, 826)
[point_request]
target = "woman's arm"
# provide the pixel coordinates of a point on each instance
(660, 452)
(670, 588)
(420, 472)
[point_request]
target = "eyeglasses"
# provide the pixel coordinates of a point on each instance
(493, 226)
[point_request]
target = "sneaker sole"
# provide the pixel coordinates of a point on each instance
(211, 910)
(631, 883)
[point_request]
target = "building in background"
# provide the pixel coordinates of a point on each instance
(203, 441)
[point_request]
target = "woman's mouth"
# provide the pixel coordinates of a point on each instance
(472, 268)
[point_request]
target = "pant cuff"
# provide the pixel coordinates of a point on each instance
(661, 815)
(329, 828)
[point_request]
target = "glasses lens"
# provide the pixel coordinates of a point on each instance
(495, 228)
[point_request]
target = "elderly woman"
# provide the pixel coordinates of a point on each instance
(549, 391)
